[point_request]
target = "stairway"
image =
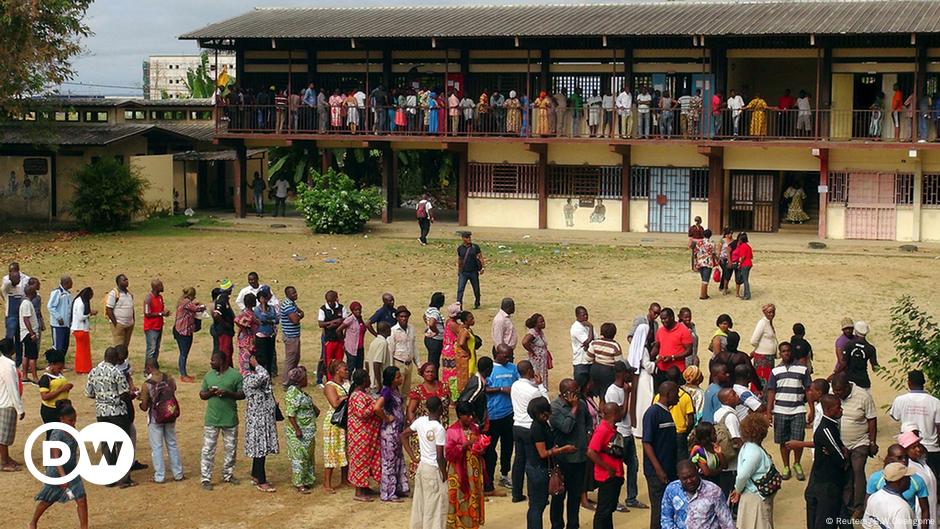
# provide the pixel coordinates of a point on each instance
(809, 227)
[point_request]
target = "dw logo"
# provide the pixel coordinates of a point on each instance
(108, 442)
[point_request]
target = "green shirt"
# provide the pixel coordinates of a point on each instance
(222, 412)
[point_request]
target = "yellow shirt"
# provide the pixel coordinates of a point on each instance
(49, 382)
(681, 411)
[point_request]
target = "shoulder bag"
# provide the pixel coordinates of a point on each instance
(556, 480)
(340, 417)
(771, 482)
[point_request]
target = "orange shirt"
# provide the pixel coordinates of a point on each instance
(897, 102)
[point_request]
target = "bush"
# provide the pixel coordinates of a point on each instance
(108, 195)
(917, 340)
(333, 204)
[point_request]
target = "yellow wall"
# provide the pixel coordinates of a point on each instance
(905, 224)
(577, 154)
(500, 152)
(667, 156)
(843, 92)
(19, 200)
(835, 222)
(700, 209)
(582, 215)
(66, 166)
(158, 171)
(871, 159)
(771, 158)
(930, 224)
(639, 215)
(503, 213)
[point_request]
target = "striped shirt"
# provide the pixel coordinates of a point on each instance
(289, 328)
(604, 352)
(789, 384)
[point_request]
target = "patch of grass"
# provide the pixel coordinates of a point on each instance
(173, 225)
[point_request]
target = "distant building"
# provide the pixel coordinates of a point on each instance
(166, 74)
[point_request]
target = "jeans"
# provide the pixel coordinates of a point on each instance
(184, 343)
(520, 437)
(425, 226)
(474, 279)
(742, 277)
(434, 347)
(736, 121)
(537, 482)
(667, 122)
(607, 494)
(575, 123)
(501, 431)
(60, 339)
(354, 362)
(633, 464)
(280, 203)
(160, 434)
(13, 331)
(716, 124)
(656, 489)
(568, 505)
(921, 127)
(259, 203)
(644, 131)
(153, 338)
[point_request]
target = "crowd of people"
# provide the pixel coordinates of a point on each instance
(476, 419)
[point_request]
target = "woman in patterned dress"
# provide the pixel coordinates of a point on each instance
(247, 324)
(418, 405)
(260, 424)
(390, 407)
(74, 489)
(300, 430)
(362, 437)
(448, 352)
(534, 342)
(513, 113)
(464, 471)
(336, 392)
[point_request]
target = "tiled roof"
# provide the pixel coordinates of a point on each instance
(81, 135)
(750, 17)
(123, 102)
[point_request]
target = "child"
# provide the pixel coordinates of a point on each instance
(378, 357)
(429, 507)
(802, 350)
(814, 394)
(74, 489)
(786, 401)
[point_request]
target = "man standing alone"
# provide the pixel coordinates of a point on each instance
(60, 313)
(120, 311)
(470, 266)
(425, 217)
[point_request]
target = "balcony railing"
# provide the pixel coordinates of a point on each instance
(586, 122)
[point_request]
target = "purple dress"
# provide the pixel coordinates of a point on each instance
(394, 479)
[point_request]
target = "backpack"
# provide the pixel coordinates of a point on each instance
(117, 296)
(164, 407)
(422, 210)
(726, 442)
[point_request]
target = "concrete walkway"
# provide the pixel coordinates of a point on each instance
(402, 230)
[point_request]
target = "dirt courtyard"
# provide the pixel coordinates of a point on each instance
(614, 283)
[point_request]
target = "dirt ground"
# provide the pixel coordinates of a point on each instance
(615, 283)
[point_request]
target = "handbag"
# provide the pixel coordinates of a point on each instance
(615, 447)
(556, 480)
(340, 415)
(197, 325)
(771, 482)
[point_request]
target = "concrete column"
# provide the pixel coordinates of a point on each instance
(824, 184)
(240, 179)
(543, 188)
(918, 197)
(462, 160)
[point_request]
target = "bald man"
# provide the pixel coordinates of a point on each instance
(154, 313)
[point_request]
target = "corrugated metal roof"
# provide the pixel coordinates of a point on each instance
(753, 17)
(121, 102)
(79, 135)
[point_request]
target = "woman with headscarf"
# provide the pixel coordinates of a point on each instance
(464, 450)
(260, 423)
(535, 344)
(362, 436)
(336, 392)
(353, 330)
(418, 397)
(301, 431)
(432, 113)
(449, 351)
(390, 409)
(465, 350)
(758, 108)
(81, 311)
(639, 359)
(544, 106)
(184, 326)
(247, 324)
(513, 113)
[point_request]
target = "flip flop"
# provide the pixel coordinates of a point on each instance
(11, 468)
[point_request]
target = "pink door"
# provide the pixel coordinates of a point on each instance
(870, 209)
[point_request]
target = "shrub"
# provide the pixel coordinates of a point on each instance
(108, 195)
(917, 340)
(333, 204)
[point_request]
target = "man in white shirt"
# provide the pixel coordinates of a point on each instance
(726, 416)
(582, 333)
(430, 498)
(735, 104)
(620, 393)
(401, 345)
(887, 508)
(30, 331)
(281, 186)
(120, 311)
(607, 104)
(625, 111)
(360, 97)
(254, 286)
(922, 409)
(504, 331)
(522, 391)
(804, 114)
(11, 405)
(643, 101)
(594, 112)
(13, 289)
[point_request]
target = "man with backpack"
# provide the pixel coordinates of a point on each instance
(425, 217)
(119, 306)
(158, 399)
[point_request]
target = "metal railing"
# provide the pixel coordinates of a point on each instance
(473, 120)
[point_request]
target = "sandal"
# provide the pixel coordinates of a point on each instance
(303, 490)
(265, 487)
(11, 468)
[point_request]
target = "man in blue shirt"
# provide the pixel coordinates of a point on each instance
(384, 313)
(659, 448)
(60, 314)
(499, 411)
(719, 379)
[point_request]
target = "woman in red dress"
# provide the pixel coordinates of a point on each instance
(362, 437)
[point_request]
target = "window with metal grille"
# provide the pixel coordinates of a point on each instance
(602, 181)
(931, 192)
(838, 188)
(698, 183)
(640, 80)
(500, 180)
(639, 182)
(904, 189)
(586, 84)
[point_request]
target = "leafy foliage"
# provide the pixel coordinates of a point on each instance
(289, 162)
(39, 41)
(333, 204)
(108, 195)
(917, 340)
(198, 81)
